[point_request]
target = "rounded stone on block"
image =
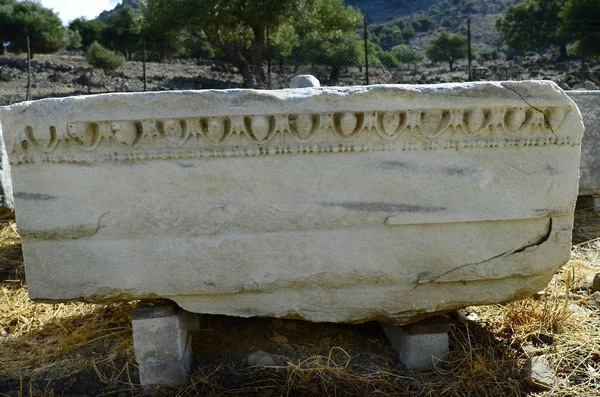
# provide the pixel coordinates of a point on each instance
(304, 80)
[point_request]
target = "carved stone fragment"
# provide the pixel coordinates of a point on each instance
(348, 204)
(588, 103)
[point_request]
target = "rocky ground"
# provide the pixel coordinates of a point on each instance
(63, 75)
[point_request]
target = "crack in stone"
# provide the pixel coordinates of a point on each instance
(538, 242)
(533, 107)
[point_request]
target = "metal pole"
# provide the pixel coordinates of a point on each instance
(28, 94)
(366, 50)
(469, 45)
(268, 59)
(144, 58)
(582, 45)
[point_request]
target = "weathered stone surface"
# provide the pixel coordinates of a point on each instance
(7, 206)
(328, 204)
(304, 80)
(588, 103)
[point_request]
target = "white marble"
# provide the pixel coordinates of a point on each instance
(304, 80)
(328, 204)
(588, 103)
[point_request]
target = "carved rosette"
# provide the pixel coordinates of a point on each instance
(295, 133)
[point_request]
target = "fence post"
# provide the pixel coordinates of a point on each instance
(582, 45)
(268, 59)
(366, 50)
(144, 59)
(469, 45)
(28, 94)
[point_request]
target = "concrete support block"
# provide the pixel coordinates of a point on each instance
(162, 345)
(588, 202)
(419, 345)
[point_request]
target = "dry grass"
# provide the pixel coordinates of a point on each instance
(85, 349)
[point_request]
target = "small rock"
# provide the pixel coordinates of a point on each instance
(530, 349)
(564, 86)
(465, 315)
(277, 323)
(547, 339)
(415, 385)
(595, 297)
(577, 309)
(596, 283)
(327, 341)
(261, 358)
(279, 339)
(291, 327)
(537, 372)
(588, 85)
(288, 347)
(472, 316)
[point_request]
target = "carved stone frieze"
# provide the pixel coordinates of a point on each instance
(84, 138)
(327, 204)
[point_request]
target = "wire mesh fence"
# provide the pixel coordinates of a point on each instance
(350, 60)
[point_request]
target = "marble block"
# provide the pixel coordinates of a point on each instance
(588, 103)
(304, 80)
(389, 203)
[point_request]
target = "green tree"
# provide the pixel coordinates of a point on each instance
(423, 23)
(6, 11)
(406, 55)
(236, 29)
(390, 36)
(123, 31)
(73, 39)
(90, 31)
(388, 60)
(580, 20)
(337, 52)
(102, 58)
(468, 8)
(30, 18)
(446, 23)
(447, 48)
(433, 11)
(533, 25)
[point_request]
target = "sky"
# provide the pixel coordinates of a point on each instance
(71, 9)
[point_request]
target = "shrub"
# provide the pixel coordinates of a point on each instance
(102, 58)
(406, 55)
(388, 60)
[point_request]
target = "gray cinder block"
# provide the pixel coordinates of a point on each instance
(419, 345)
(162, 345)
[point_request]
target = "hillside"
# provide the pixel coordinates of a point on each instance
(378, 11)
(416, 23)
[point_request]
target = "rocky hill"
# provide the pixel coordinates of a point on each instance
(378, 11)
